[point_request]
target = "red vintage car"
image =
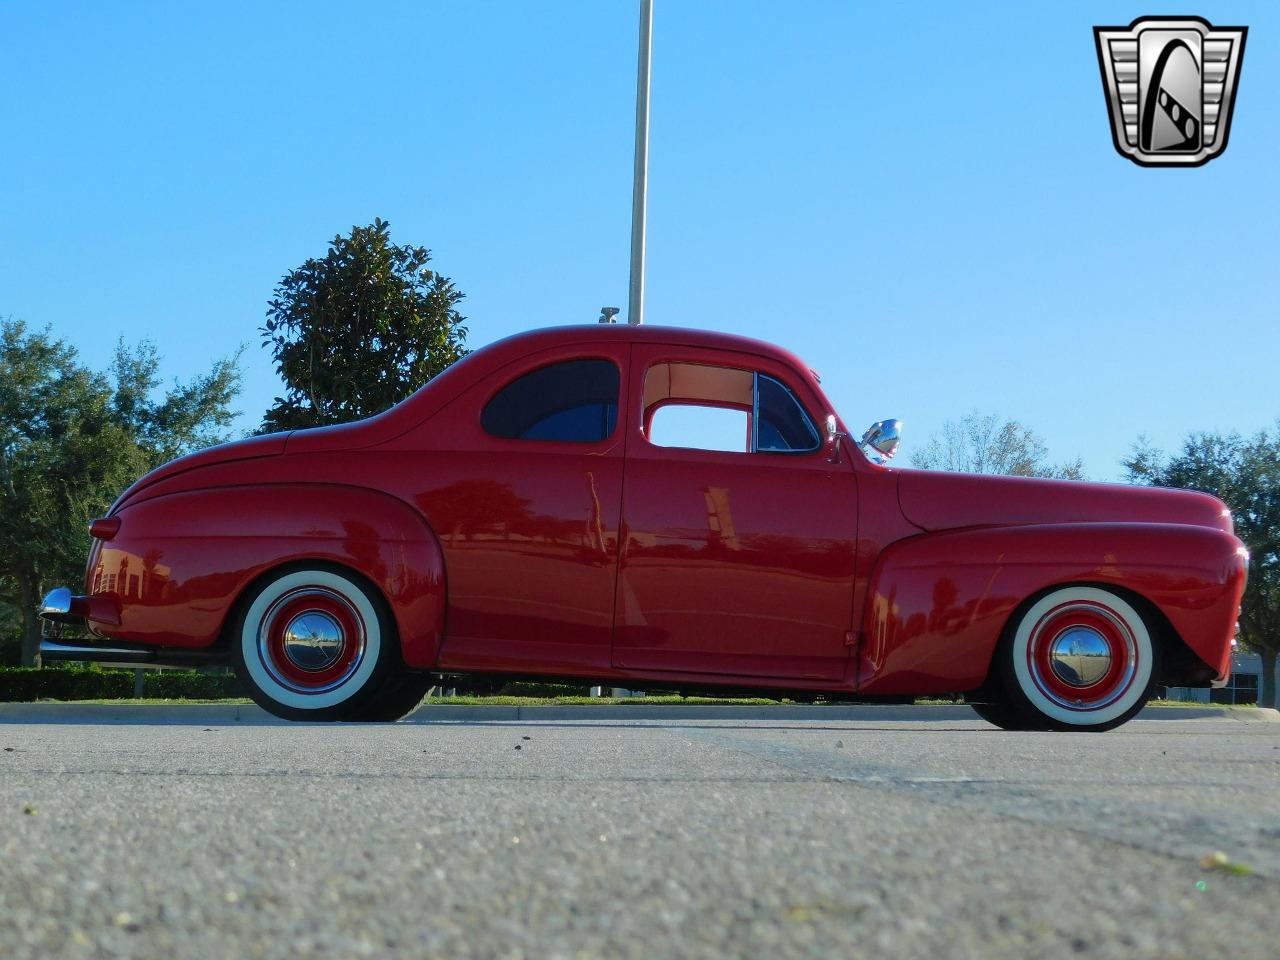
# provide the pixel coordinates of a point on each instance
(652, 508)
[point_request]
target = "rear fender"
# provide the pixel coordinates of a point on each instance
(938, 602)
(180, 562)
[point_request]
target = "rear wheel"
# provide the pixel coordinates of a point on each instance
(1079, 658)
(398, 698)
(316, 644)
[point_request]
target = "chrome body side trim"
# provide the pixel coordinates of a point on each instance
(52, 650)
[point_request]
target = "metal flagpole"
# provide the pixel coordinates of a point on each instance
(640, 188)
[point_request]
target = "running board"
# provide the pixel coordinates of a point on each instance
(52, 651)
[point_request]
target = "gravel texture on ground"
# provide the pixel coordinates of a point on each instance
(943, 838)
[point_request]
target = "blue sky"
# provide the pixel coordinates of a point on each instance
(923, 201)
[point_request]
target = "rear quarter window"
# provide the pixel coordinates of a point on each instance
(574, 401)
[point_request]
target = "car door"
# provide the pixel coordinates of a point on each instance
(522, 487)
(738, 533)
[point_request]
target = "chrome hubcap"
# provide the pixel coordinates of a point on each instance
(1080, 656)
(313, 640)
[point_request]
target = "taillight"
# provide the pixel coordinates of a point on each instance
(104, 528)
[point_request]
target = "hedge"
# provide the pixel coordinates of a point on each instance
(190, 685)
(60, 683)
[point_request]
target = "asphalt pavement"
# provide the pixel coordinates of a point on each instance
(577, 838)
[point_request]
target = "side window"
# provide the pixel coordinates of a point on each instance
(702, 407)
(575, 401)
(781, 423)
(698, 407)
(697, 427)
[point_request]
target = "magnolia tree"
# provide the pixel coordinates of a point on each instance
(359, 330)
(1245, 473)
(71, 439)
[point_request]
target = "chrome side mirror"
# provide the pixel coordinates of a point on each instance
(883, 438)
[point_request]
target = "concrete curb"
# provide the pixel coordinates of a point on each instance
(229, 714)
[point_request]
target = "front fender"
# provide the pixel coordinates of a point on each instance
(180, 561)
(938, 602)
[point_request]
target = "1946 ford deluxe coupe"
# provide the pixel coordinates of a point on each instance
(526, 514)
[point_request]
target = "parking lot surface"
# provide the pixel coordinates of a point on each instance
(639, 838)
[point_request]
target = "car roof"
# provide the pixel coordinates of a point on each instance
(544, 337)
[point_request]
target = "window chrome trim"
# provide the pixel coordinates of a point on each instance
(755, 412)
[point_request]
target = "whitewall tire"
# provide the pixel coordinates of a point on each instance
(314, 643)
(1078, 658)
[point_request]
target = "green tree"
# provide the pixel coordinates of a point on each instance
(187, 417)
(983, 443)
(70, 440)
(359, 330)
(10, 633)
(1245, 474)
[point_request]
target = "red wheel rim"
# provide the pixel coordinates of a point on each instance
(311, 639)
(1082, 655)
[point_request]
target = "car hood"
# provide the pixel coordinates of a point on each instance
(251, 448)
(941, 501)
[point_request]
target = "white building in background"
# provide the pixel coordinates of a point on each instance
(1243, 686)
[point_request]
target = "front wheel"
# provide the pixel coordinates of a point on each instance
(1001, 713)
(1079, 658)
(316, 644)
